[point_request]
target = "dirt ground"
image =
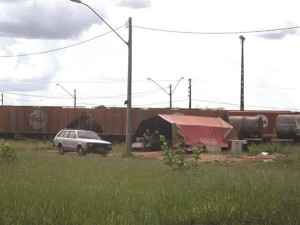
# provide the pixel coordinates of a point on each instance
(204, 157)
(210, 157)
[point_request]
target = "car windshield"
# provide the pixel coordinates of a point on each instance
(88, 135)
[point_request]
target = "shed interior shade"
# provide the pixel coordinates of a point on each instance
(190, 130)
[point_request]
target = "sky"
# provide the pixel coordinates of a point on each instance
(45, 43)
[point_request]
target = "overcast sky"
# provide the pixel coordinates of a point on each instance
(197, 40)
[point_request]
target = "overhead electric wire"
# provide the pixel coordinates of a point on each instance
(61, 48)
(38, 96)
(217, 33)
(253, 106)
(154, 29)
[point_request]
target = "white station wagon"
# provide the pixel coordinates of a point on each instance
(81, 141)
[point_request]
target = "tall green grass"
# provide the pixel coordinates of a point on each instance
(29, 144)
(51, 189)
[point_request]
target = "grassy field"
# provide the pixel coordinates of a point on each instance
(46, 188)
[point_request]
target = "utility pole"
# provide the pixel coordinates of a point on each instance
(75, 98)
(242, 75)
(170, 92)
(129, 45)
(190, 93)
(129, 81)
(170, 96)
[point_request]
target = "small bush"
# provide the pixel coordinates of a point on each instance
(175, 159)
(7, 153)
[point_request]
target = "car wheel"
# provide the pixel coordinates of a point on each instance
(81, 152)
(104, 153)
(61, 150)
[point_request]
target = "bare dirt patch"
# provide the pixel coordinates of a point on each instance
(204, 157)
(211, 157)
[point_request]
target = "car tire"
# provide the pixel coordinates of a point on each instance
(81, 152)
(104, 153)
(61, 150)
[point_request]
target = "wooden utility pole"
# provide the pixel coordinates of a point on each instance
(190, 93)
(242, 75)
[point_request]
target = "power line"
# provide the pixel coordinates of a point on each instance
(161, 103)
(248, 86)
(61, 48)
(253, 106)
(217, 33)
(154, 29)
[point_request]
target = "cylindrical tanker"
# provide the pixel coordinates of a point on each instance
(288, 126)
(247, 126)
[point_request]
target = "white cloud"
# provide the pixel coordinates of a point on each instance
(99, 68)
(136, 4)
(45, 20)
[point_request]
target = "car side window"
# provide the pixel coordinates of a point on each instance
(62, 134)
(72, 134)
(66, 134)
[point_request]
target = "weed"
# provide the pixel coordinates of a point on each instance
(175, 159)
(7, 153)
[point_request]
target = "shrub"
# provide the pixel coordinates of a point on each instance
(7, 153)
(175, 159)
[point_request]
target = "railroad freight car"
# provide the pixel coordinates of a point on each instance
(109, 122)
(269, 119)
(247, 126)
(288, 127)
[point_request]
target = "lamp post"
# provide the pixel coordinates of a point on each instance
(73, 96)
(242, 74)
(129, 81)
(170, 92)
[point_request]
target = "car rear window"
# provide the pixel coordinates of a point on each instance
(88, 135)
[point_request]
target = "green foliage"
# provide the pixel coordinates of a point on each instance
(168, 154)
(176, 159)
(7, 153)
(31, 144)
(197, 152)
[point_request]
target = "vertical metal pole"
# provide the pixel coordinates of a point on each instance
(128, 124)
(170, 96)
(190, 93)
(74, 121)
(2, 99)
(75, 98)
(242, 75)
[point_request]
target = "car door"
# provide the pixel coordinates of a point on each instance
(72, 141)
(65, 141)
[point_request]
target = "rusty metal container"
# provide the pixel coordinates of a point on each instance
(288, 126)
(247, 126)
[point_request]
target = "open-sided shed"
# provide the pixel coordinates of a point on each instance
(190, 130)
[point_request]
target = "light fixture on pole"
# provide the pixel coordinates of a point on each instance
(171, 92)
(128, 101)
(73, 96)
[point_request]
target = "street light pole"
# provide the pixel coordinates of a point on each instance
(73, 96)
(171, 92)
(170, 96)
(129, 80)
